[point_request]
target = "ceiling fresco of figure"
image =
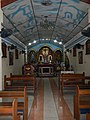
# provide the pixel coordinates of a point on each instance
(45, 20)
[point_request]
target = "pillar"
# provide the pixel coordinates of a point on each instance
(25, 54)
(89, 15)
(1, 20)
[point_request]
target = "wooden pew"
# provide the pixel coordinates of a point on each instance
(22, 106)
(87, 116)
(19, 81)
(88, 79)
(81, 102)
(71, 80)
(10, 110)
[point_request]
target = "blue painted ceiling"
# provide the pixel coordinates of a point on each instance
(25, 18)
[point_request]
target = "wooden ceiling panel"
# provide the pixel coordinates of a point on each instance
(86, 1)
(6, 2)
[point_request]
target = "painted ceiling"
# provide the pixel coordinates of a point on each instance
(45, 20)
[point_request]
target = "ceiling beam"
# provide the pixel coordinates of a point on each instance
(76, 26)
(6, 2)
(35, 19)
(13, 24)
(56, 18)
(86, 1)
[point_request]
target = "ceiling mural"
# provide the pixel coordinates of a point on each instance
(45, 19)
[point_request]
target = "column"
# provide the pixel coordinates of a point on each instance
(63, 57)
(25, 54)
(89, 15)
(1, 20)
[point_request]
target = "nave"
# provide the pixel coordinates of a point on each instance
(48, 103)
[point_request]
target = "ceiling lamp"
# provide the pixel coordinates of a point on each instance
(86, 32)
(29, 43)
(60, 43)
(5, 32)
(34, 41)
(46, 2)
(55, 41)
(48, 25)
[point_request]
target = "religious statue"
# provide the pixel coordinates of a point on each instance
(45, 52)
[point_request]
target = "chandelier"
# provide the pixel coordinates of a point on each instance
(48, 25)
(46, 2)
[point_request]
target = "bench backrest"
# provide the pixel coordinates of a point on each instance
(16, 78)
(14, 94)
(31, 75)
(17, 94)
(88, 116)
(7, 110)
(70, 76)
(81, 102)
(83, 92)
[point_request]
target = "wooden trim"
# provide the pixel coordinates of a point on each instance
(86, 1)
(6, 2)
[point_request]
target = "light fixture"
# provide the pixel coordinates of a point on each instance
(60, 43)
(46, 2)
(47, 25)
(29, 43)
(5, 32)
(55, 41)
(34, 41)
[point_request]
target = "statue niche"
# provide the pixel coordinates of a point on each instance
(31, 57)
(45, 55)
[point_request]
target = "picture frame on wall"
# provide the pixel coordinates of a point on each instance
(88, 47)
(80, 57)
(16, 53)
(4, 50)
(10, 58)
(74, 51)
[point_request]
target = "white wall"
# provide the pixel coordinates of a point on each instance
(79, 68)
(16, 68)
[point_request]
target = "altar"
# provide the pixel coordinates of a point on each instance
(46, 69)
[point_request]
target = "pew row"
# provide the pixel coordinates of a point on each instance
(22, 106)
(87, 116)
(71, 80)
(81, 102)
(10, 110)
(19, 81)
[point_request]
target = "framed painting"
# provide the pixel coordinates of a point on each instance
(74, 51)
(80, 57)
(16, 53)
(10, 58)
(4, 50)
(88, 47)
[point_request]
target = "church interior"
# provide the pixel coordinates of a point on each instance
(44, 59)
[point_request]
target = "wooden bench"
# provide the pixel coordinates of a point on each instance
(81, 102)
(10, 110)
(22, 106)
(71, 80)
(87, 116)
(19, 81)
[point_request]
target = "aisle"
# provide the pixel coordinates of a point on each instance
(48, 103)
(50, 112)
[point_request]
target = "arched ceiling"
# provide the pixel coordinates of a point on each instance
(43, 20)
